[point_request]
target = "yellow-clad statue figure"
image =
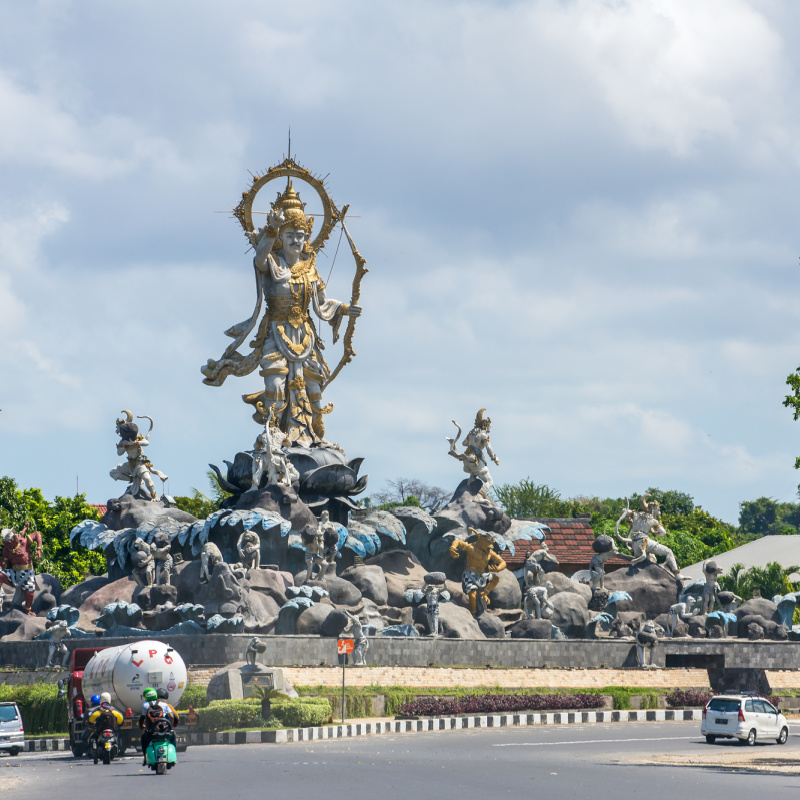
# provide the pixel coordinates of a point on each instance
(285, 346)
(481, 561)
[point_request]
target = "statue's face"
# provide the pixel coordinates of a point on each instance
(293, 241)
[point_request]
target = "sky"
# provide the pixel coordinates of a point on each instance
(578, 214)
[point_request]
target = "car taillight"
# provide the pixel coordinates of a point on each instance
(741, 715)
(705, 708)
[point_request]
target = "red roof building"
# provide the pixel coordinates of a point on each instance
(570, 541)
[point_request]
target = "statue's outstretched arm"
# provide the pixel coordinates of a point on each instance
(457, 546)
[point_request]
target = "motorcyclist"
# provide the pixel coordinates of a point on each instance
(104, 717)
(154, 710)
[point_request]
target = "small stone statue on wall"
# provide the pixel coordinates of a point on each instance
(138, 468)
(605, 549)
(473, 458)
(433, 592)
(210, 556)
(57, 653)
(482, 564)
(160, 548)
(535, 602)
(144, 568)
(680, 612)
(361, 642)
(249, 547)
(255, 647)
(646, 639)
(711, 572)
(321, 548)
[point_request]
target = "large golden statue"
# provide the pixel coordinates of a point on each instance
(285, 346)
(481, 560)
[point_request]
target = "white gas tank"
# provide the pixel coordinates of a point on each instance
(127, 670)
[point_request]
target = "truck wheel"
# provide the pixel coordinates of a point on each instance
(161, 768)
(15, 751)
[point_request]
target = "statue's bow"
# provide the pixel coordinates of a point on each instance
(361, 271)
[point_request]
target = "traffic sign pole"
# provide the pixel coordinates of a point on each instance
(343, 647)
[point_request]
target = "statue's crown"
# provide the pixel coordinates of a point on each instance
(293, 210)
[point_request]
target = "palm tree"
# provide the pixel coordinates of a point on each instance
(266, 694)
(772, 579)
(736, 581)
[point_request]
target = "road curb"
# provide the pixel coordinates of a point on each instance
(349, 730)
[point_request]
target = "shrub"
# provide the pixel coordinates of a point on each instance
(221, 715)
(682, 698)
(41, 709)
(194, 696)
(303, 712)
(499, 703)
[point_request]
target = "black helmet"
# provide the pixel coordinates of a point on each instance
(162, 694)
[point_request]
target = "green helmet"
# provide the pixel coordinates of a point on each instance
(150, 694)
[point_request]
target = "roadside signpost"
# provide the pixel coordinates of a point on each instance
(343, 647)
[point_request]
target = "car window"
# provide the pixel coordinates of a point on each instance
(758, 706)
(7, 713)
(768, 707)
(724, 704)
(748, 706)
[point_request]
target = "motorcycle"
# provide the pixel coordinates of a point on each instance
(160, 752)
(105, 747)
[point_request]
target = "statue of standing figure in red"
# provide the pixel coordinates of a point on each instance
(16, 565)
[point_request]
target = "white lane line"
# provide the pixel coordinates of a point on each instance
(594, 741)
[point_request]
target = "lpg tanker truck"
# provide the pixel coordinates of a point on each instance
(124, 672)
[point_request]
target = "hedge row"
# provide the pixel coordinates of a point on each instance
(303, 712)
(499, 703)
(194, 696)
(686, 698)
(300, 712)
(41, 709)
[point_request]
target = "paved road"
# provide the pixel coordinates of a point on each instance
(560, 762)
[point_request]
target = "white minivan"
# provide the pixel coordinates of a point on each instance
(744, 717)
(12, 734)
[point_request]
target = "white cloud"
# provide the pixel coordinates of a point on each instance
(578, 215)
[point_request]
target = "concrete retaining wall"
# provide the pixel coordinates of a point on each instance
(312, 651)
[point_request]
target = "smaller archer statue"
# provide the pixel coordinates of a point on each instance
(138, 468)
(473, 458)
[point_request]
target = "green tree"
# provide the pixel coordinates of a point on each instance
(769, 580)
(772, 579)
(766, 516)
(792, 401)
(201, 505)
(527, 499)
(54, 521)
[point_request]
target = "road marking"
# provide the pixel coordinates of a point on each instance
(593, 741)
